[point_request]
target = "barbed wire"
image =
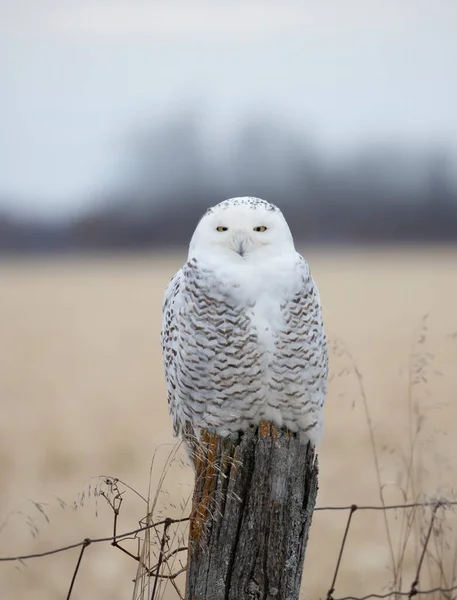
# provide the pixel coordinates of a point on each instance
(87, 541)
(402, 594)
(413, 591)
(164, 554)
(442, 502)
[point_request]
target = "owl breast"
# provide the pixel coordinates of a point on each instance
(246, 352)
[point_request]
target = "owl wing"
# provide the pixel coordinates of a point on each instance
(170, 345)
(171, 354)
(323, 346)
(315, 364)
(300, 362)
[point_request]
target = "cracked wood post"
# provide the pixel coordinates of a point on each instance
(252, 509)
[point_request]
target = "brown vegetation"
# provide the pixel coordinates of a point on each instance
(82, 393)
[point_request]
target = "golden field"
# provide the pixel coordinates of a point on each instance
(82, 394)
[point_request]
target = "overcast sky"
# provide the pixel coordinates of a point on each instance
(77, 77)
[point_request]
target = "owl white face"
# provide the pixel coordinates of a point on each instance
(242, 228)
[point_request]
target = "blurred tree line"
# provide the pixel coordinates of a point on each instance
(380, 195)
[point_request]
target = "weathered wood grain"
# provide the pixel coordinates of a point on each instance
(252, 509)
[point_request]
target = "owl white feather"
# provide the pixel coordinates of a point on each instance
(243, 338)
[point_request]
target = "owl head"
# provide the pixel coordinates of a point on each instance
(242, 229)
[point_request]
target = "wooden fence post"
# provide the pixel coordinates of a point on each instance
(252, 508)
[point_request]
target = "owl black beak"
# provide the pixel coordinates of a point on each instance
(240, 248)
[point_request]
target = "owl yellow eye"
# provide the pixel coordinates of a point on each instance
(220, 228)
(261, 228)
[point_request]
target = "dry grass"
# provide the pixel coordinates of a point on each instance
(82, 393)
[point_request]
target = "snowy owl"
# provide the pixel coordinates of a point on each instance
(242, 335)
